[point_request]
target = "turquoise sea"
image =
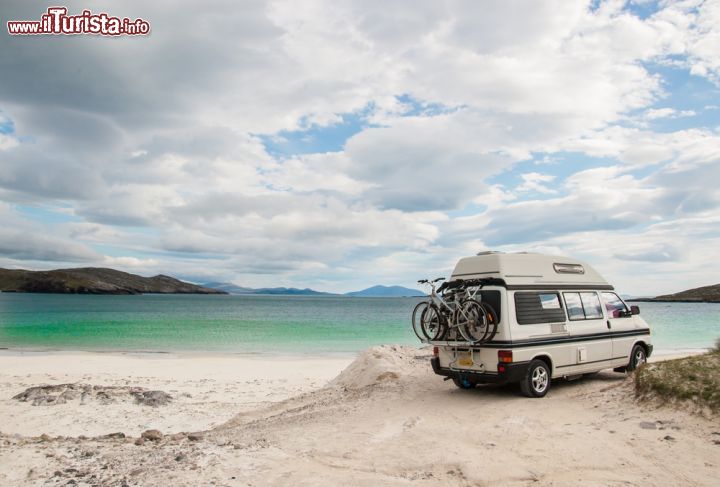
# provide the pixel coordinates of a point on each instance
(263, 324)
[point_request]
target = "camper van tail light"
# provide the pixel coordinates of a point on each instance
(436, 352)
(505, 356)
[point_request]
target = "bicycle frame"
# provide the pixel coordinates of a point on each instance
(453, 321)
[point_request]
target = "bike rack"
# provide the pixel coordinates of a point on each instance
(452, 343)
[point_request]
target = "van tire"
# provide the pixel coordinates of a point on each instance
(536, 382)
(464, 383)
(638, 356)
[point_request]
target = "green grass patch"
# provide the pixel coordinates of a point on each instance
(695, 379)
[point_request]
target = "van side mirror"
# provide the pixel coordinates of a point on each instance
(634, 310)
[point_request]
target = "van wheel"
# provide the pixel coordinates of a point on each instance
(464, 383)
(537, 379)
(637, 357)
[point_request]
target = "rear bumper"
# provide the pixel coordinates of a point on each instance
(514, 372)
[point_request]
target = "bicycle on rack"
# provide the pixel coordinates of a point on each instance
(428, 323)
(485, 329)
(453, 314)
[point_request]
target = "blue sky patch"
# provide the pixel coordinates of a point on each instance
(6, 125)
(642, 8)
(48, 214)
(315, 138)
(685, 92)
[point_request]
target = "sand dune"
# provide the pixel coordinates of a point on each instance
(387, 420)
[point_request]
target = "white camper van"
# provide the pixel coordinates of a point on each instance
(554, 317)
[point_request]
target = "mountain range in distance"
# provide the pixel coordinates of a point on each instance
(371, 292)
(97, 280)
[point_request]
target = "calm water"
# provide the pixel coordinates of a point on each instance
(274, 324)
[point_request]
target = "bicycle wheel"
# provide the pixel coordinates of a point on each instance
(432, 323)
(472, 321)
(492, 319)
(417, 321)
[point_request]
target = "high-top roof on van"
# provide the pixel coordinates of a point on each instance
(526, 269)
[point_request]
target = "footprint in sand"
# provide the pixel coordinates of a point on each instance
(411, 423)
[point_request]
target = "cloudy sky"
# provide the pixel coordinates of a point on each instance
(339, 144)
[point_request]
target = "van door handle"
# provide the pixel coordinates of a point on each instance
(608, 324)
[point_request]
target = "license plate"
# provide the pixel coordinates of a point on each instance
(465, 360)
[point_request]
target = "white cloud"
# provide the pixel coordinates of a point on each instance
(7, 142)
(27, 246)
(534, 182)
(657, 113)
(704, 40)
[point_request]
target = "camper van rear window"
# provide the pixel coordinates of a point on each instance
(549, 301)
(542, 307)
(569, 268)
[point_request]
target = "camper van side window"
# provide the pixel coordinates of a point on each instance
(544, 307)
(574, 306)
(583, 306)
(591, 306)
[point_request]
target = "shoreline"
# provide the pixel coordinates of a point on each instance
(280, 355)
(310, 355)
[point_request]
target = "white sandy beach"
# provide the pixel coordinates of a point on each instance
(207, 389)
(385, 420)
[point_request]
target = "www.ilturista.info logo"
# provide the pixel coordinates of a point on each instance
(57, 22)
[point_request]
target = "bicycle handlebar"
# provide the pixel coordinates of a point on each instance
(425, 281)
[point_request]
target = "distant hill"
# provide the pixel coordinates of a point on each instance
(705, 294)
(386, 291)
(93, 280)
(229, 288)
(287, 291)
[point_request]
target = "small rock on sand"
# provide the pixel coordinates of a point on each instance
(152, 398)
(152, 435)
(118, 435)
